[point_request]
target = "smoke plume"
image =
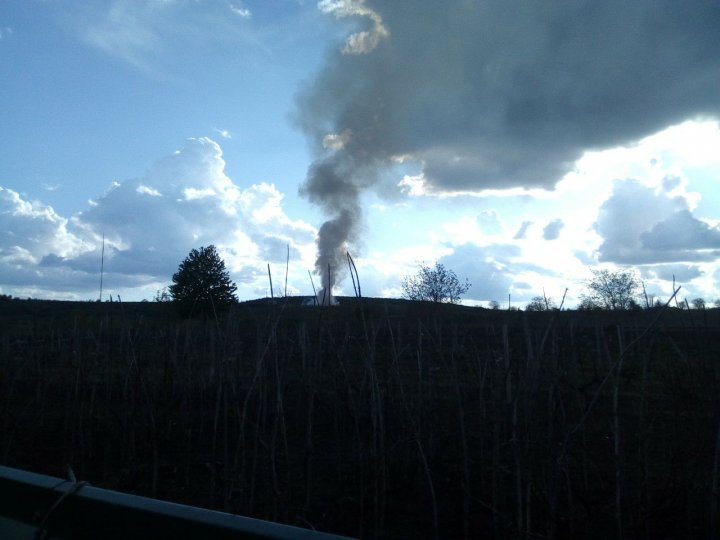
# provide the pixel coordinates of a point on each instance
(495, 94)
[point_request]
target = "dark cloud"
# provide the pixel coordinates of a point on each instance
(551, 231)
(679, 272)
(511, 93)
(681, 231)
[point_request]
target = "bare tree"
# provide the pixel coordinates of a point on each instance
(436, 284)
(611, 290)
(699, 303)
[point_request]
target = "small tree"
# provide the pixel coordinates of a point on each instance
(611, 290)
(436, 284)
(201, 284)
(699, 303)
(494, 304)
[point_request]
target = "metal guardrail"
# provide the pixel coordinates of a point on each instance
(34, 506)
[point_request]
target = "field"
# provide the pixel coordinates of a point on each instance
(378, 418)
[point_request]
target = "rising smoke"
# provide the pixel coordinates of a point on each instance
(495, 94)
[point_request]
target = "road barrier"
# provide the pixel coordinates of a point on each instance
(38, 506)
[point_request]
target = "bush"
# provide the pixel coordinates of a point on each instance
(201, 284)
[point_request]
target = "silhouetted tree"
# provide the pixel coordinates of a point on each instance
(201, 284)
(540, 303)
(436, 284)
(611, 290)
(699, 303)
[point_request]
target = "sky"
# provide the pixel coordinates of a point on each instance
(521, 144)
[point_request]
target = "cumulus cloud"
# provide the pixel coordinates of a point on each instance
(643, 225)
(32, 233)
(551, 231)
(149, 225)
(29, 230)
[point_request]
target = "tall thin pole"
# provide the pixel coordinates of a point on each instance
(315, 297)
(102, 265)
(287, 268)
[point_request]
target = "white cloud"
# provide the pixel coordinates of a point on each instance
(240, 11)
(128, 30)
(337, 141)
(359, 42)
(150, 224)
(150, 34)
(34, 229)
(224, 133)
(148, 191)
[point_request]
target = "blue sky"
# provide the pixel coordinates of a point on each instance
(522, 144)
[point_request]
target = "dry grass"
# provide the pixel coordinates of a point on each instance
(377, 419)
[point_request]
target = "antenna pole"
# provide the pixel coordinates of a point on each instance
(102, 265)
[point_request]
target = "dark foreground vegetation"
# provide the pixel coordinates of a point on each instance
(380, 419)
